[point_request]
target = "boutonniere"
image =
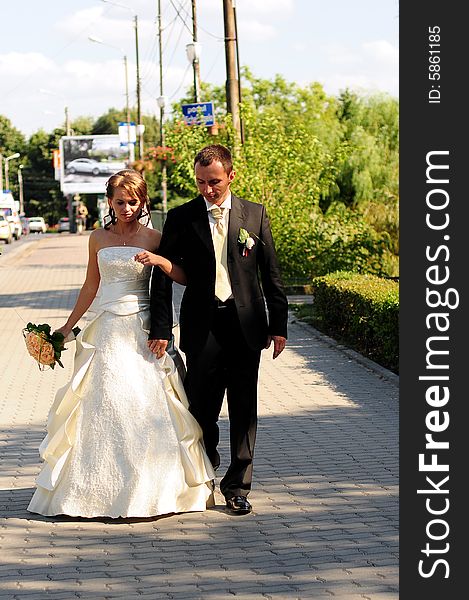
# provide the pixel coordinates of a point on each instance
(246, 242)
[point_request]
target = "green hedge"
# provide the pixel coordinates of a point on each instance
(361, 311)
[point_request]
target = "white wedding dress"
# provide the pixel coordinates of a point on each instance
(120, 439)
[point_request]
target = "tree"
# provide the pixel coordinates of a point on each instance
(325, 167)
(41, 191)
(11, 139)
(300, 149)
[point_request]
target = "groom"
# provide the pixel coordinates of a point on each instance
(224, 244)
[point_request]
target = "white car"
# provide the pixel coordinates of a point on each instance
(5, 231)
(37, 225)
(13, 220)
(87, 165)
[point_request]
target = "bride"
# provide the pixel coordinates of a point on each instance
(120, 439)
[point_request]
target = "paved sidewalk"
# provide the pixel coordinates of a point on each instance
(325, 497)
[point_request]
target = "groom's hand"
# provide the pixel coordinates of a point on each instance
(158, 347)
(279, 344)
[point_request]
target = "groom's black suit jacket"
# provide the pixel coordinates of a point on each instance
(187, 241)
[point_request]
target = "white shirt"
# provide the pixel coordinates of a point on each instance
(226, 214)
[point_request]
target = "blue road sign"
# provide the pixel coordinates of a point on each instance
(199, 113)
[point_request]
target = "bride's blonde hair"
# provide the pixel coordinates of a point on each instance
(134, 184)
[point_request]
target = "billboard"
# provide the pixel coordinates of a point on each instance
(87, 162)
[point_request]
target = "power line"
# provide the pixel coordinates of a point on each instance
(174, 51)
(182, 81)
(180, 16)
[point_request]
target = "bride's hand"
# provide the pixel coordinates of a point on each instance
(65, 331)
(148, 258)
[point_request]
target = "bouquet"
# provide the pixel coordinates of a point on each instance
(43, 346)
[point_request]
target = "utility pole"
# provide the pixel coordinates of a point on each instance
(139, 112)
(67, 122)
(130, 145)
(241, 124)
(20, 187)
(232, 90)
(139, 108)
(196, 63)
(162, 107)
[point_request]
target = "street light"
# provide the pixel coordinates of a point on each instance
(7, 182)
(129, 145)
(193, 52)
(140, 126)
(20, 186)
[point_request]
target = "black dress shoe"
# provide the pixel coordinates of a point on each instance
(239, 505)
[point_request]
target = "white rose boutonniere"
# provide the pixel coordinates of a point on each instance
(246, 242)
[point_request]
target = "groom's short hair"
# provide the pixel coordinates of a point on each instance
(215, 152)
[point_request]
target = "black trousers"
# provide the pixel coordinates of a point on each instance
(226, 363)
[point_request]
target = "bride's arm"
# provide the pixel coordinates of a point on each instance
(88, 290)
(176, 272)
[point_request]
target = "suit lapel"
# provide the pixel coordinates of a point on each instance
(237, 219)
(200, 223)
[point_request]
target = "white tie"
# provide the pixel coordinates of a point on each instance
(220, 245)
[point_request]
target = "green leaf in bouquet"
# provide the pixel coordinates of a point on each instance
(45, 328)
(243, 236)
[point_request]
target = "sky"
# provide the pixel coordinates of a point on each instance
(47, 61)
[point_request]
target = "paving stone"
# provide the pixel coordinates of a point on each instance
(325, 492)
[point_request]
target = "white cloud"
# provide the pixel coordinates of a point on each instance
(255, 31)
(381, 51)
(335, 83)
(371, 66)
(17, 65)
(79, 22)
(263, 7)
(340, 55)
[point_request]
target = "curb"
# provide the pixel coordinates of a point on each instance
(18, 251)
(353, 354)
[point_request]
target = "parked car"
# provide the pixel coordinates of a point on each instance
(5, 231)
(87, 165)
(24, 225)
(37, 225)
(63, 224)
(11, 215)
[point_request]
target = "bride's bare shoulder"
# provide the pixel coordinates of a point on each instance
(99, 238)
(99, 234)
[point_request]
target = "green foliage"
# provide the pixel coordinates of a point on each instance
(11, 139)
(325, 167)
(368, 175)
(362, 311)
(41, 191)
(109, 122)
(302, 149)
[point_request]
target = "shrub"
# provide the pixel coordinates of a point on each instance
(362, 311)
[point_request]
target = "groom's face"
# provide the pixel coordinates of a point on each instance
(213, 181)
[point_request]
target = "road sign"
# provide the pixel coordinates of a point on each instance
(127, 133)
(199, 113)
